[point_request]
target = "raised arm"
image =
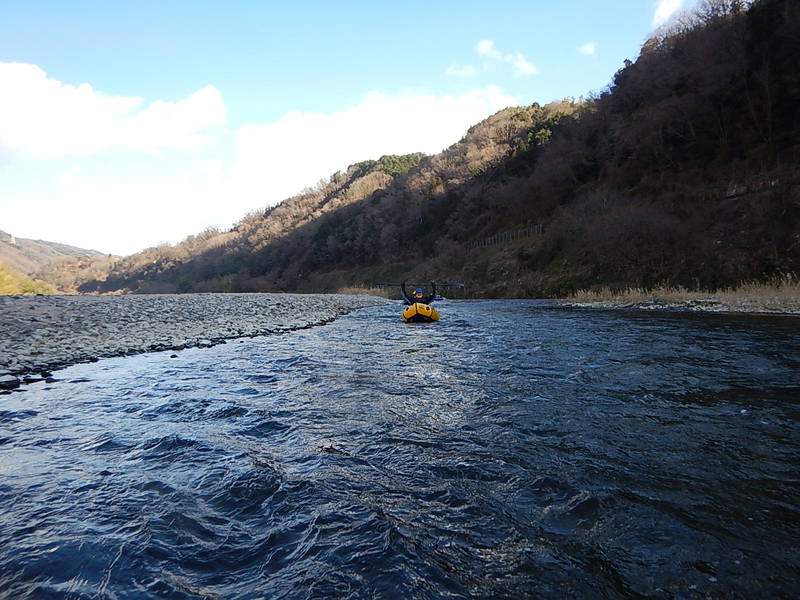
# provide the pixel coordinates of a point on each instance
(405, 294)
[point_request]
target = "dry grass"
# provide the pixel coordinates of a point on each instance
(368, 291)
(633, 295)
(780, 294)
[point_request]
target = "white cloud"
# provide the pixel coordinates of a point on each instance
(486, 48)
(43, 118)
(465, 71)
(664, 10)
(146, 211)
(122, 202)
(589, 48)
(521, 66)
(119, 212)
(280, 158)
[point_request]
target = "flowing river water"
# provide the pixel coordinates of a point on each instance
(512, 450)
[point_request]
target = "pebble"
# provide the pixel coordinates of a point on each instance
(8, 382)
(73, 329)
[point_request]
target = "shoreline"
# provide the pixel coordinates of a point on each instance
(696, 305)
(39, 334)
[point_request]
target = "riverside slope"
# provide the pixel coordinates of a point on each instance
(40, 333)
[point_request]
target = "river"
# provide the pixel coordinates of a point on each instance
(514, 449)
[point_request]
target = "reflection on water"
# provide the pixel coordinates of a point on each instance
(512, 450)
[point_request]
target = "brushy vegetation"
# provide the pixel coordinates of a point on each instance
(14, 282)
(684, 171)
(780, 294)
(366, 291)
(65, 274)
(391, 164)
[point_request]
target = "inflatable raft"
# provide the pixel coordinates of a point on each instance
(420, 313)
(418, 307)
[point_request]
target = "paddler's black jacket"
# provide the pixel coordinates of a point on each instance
(424, 300)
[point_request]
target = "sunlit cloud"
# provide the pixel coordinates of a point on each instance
(121, 201)
(664, 10)
(520, 65)
(486, 48)
(589, 48)
(43, 118)
(280, 158)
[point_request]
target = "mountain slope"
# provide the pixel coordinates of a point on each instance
(685, 170)
(28, 256)
(364, 215)
(14, 282)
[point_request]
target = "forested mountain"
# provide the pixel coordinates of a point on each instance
(683, 171)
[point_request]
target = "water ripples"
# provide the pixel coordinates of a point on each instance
(512, 450)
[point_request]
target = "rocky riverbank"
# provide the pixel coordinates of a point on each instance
(744, 305)
(42, 333)
(779, 295)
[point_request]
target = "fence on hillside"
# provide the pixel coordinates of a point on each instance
(504, 237)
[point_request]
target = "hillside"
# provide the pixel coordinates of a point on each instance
(14, 282)
(684, 171)
(38, 266)
(28, 256)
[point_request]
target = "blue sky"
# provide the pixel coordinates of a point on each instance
(126, 124)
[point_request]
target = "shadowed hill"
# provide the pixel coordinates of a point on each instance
(373, 213)
(227, 261)
(683, 171)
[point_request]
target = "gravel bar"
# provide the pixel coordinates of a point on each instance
(42, 333)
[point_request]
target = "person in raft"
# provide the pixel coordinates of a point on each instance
(418, 295)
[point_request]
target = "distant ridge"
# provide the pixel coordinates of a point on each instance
(28, 256)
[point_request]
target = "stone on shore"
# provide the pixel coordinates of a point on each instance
(8, 382)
